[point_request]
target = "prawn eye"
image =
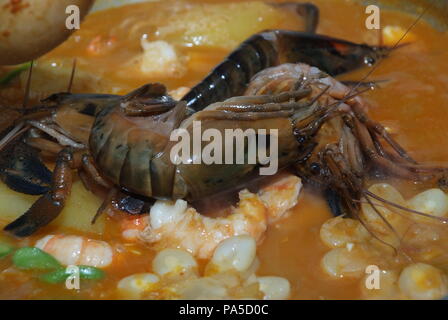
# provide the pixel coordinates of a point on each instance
(443, 183)
(369, 60)
(315, 168)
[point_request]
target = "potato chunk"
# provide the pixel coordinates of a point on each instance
(221, 25)
(80, 208)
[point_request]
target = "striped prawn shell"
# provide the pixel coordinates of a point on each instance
(126, 150)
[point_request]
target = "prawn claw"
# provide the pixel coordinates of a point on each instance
(41, 213)
(22, 170)
(50, 205)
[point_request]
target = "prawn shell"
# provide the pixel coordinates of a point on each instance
(124, 149)
(208, 179)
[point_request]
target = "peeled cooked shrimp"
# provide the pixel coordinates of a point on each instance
(77, 250)
(174, 225)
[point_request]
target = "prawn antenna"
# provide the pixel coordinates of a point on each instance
(392, 204)
(380, 37)
(348, 96)
(72, 76)
(395, 46)
(375, 236)
(26, 98)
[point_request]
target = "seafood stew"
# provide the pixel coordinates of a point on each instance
(362, 183)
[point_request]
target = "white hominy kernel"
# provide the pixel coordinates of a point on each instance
(274, 288)
(388, 286)
(340, 262)
(202, 289)
(133, 286)
(386, 192)
(235, 253)
(174, 262)
(384, 220)
(432, 201)
(423, 281)
(337, 232)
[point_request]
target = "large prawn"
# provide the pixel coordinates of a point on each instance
(264, 84)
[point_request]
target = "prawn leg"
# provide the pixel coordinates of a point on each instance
(370, 151)
(44, 145)
(89, 167)
(251, 108)
(382, 132)
(240, 116)
(269, 98)
(150, 99)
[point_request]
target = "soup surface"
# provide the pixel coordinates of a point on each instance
(412, 103)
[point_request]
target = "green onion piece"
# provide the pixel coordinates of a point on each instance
(5, 249)
(57, 276)
(34, 259)
(6, 79)
(61, 274)
(91, 273)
